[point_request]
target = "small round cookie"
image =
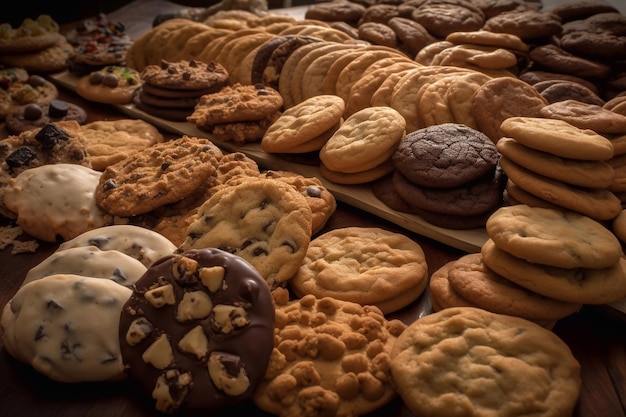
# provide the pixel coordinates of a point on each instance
(571, 285)
(364, 140)
(34, 116)
(113, 84)
(66, 327)
(110, 141)
(478, 359)
(367, 266)
(446, 155)
(586, 116)
(322, 202)
(47, 214)
(31, 35)
(330, 358)
(474, 281)
(89, 261)
(197, 331)
(266, 222)
(501, 98)
(527, 24)
(488, 38)
(558, 137)
(140, 243)
(160, 174)
(598, 203)
(557, 238)
(303, 122)
(19, 89)
(593, 174)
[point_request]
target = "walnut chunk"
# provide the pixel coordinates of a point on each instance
(328, 306)
(291, 332)
(171, 389)
(283, 389)
(380, 367)
(161, 296)
(289, 349)
(228, 318)
(318, 400)
(276, 364)
(371, 388)
(159, 353)
(194, 305)
(347, 386)
(184, 269)
(280, 296)
(329, 347)
(195, 342)
(357, 363)
(228, 373)
(138, 330)
(212, 277)
(305, 373)
(353, 341)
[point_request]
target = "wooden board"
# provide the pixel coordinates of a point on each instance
(359, 196)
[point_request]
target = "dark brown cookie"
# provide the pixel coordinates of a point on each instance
(445, 155)
(582, 9)
(527, 24)
(32, 116)
(533, 77)
(198, 331)
(342, 11)
(556, 90)
(474, 198)
(599, 36)
(443, 18)
(412, 37)
(378, 34)
(556, 59)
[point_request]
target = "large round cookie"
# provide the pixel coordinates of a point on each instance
(368, 266)
(37, 115)
(330, 358)
(197, 331)
(65, 326)
(266, 222)
(468, 361)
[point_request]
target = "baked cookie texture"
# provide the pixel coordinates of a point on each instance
(329, 357)
(484, 364)
(20, 88)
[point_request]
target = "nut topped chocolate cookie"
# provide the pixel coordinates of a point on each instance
(197, 331)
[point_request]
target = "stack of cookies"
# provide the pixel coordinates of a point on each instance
(36, 46)
(360, 150)
(448, 174)
(172, 90)
(552, 163)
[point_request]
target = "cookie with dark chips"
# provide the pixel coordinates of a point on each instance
(34, 115)
(198, 331)
(160, 174)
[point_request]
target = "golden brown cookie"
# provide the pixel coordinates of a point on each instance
(113, 84)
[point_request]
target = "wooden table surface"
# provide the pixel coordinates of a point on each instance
(596, 335)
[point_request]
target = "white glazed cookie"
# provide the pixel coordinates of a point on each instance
(45, 213)
(266, 222)
(143, 244)
(368, 266)
(468, 361)
(330, 358)
(89, 261)
(66, 327)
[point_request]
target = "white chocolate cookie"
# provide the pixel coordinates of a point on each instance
(44, 212)
(66, 327)
(89, 261)
(138, 242)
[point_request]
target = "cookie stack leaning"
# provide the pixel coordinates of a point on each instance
(559, 254)
(449, 175)
(172, 90)
(551, 163)
(360, 150)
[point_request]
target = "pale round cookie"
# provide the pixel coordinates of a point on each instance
(594, 174)
(597, 203)
(469, 361)
(47, 214)
(362, 138)
(360, 177)
(558, 238)
(488, 38)
(368, 266)
(474, 281)
(442, 294)
(113, 84)
(558, 137)
(89, 261)
(303, 122)
(66, 327)
(330, 356)
(140, 243)
(571, 285)
(110, 141)
(266, 222)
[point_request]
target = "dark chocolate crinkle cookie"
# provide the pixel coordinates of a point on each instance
(443, 18)
(526, 24)
(602, 35)
(445, 155)
(198, 331)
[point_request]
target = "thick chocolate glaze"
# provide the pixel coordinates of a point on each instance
(242, 286)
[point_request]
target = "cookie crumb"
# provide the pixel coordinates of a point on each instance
(8, 235)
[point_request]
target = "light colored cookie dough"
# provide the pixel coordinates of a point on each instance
(66, 327)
